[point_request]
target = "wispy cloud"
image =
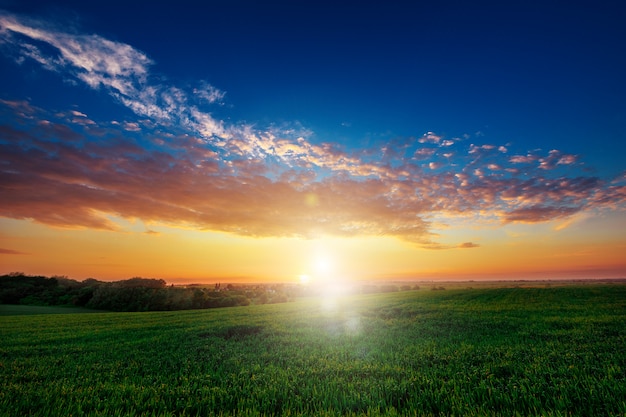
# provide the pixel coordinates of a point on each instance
(424, 153)
(121, 70)
(209, 93)
(4, 251)
(468, 245)
(539, 213)
(90, 58)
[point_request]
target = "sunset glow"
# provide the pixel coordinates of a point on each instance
(194, 155)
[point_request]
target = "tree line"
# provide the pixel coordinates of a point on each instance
(134, 294)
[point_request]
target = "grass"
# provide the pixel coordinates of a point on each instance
(509, 351)
(21, 310)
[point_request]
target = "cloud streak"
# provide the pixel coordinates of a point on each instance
(116, 67)
(90, 58)
(4, 251)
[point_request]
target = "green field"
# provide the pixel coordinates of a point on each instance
(497, 352)
(21, 310)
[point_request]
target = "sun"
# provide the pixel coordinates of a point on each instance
(323, 267)
(320, 270)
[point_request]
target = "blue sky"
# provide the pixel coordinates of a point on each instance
(537, 74)
(384, 118)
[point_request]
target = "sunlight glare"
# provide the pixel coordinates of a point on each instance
(323, 267)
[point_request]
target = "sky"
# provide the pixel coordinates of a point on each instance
(299, 141)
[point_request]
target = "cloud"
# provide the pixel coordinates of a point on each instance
(178, 164)
(90, 58)
(430, 137)
(424, 153)
(4, 251)
(539, 213)
(522, 159)
(21, 108)
(479, 149)
(555, 158)
(132, 126)
(567, 159)
(116, 67)
(59, 174)
(209, 93)
(438, 246)
(68, 185)
(468, 245)
(569, 221)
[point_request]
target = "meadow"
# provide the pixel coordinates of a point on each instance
(555, 351)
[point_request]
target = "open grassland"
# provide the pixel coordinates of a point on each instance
(508, 351)
(22, 310)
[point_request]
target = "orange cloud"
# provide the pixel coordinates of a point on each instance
(71, 174)
(468, 245)
(4, 251)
